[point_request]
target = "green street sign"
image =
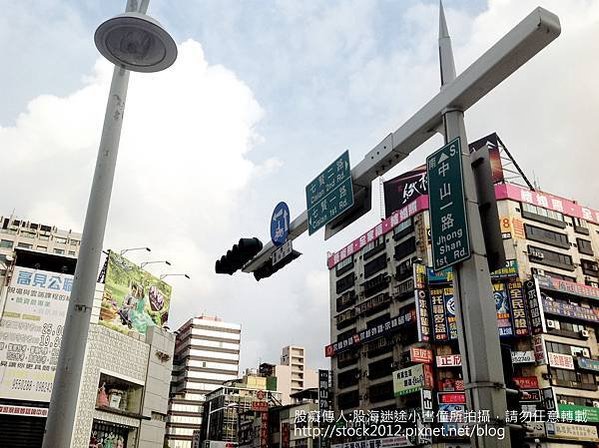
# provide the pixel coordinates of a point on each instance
(447, 206)
(330, 194)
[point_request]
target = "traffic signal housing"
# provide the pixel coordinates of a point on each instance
(238, 255)
(267, 269)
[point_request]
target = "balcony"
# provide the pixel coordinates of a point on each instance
(374, 304)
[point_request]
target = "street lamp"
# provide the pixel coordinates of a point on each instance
(124, 251)
(162, 276)
(132, 41)
(145, 263)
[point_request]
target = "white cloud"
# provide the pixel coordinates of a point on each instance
(181, 167)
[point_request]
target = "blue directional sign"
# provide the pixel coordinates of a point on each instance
(330, 194)
(279, 224)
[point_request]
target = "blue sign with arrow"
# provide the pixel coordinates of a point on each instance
(279, 224)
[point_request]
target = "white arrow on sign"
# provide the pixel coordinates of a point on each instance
(443, 157)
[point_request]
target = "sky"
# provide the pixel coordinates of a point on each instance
(263, 96)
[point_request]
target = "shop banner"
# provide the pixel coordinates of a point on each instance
(412, 379)
(527, 357)
(449, 360)
(31, 332)
(576, 289)
(560, 361)
(569, 431)
(533, 296)
(405, 188)
(450, 385)
(570, 310)
(519, 315)
(526, 382)
(588, 364)
(421, 355)
(504, 324)
(451, 398)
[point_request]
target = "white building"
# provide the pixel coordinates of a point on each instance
(206, 355)
(292, 374)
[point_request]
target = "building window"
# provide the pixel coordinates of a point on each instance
(348, 378)
(589, 267)
(72, 253)
(59, 251)
(535, 233)
(584, 246)
(60, 240)
(343, 284)
(544, 215)
(550, 258)
(375, 265)
(24, 245)
(374, 247)
(6, 244)
(344, 266)
(403, 229)
(580, 226)
(381, 392)
(405, 248)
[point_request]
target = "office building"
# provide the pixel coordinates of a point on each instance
(123, 395)
(393, 318)
(206, 355)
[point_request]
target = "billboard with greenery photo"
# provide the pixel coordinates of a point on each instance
(133, 298)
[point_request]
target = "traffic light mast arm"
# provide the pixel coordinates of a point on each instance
(512, 51)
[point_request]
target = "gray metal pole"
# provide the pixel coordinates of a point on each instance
(67, 381)
(475, 308)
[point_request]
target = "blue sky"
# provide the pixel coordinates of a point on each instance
(264, 95)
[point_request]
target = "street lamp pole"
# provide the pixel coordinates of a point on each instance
(67, 381)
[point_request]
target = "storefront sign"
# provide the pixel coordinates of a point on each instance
(569, 310)
(535, 429)
(509, 271)
(519, 315)
(323, 390)
(384, 329)
(560, 361)
(412, 379)
(530, 396)
(576, 289)
(539, 348)
(23, 410)
(404, 189)
(31, 326)
(450, 310)
(523, 357)
(575, 413)
(260, 406)
(588, 364)
(438, 315)
(426, 404)
(421, 355)
(533, 300)
(442, 276)
(449, 360)
(450, 385)
(573, 432)
(451, 397)
(422, 315)
(549, 399)
(502, 305)
(526, 382)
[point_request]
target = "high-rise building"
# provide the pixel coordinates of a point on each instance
(393, 325)
(206, 355)
(291, 373)
(123, 395)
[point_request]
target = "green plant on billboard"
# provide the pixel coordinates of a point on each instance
(133, 299)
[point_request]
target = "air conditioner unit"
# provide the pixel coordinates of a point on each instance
(571, 403)
(596, 404)
(584, 334)
(585, 352)
(551, 324)
(541, 272)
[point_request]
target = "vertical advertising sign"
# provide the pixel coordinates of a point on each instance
(514, 289)
(31, 332)
(533, 298)
(502, 305)
(438, 314)
(421, 300)
(133, 298)
(450, 309)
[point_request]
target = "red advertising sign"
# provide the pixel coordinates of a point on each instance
(260, 406)
(264, 430)
(526, 382)
(449, 360)
(422, 355)
(451, 397)
(451, 385)
(285, 435)
(384, 227)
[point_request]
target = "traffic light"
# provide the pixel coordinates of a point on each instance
(267, 269)
(238, 255)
